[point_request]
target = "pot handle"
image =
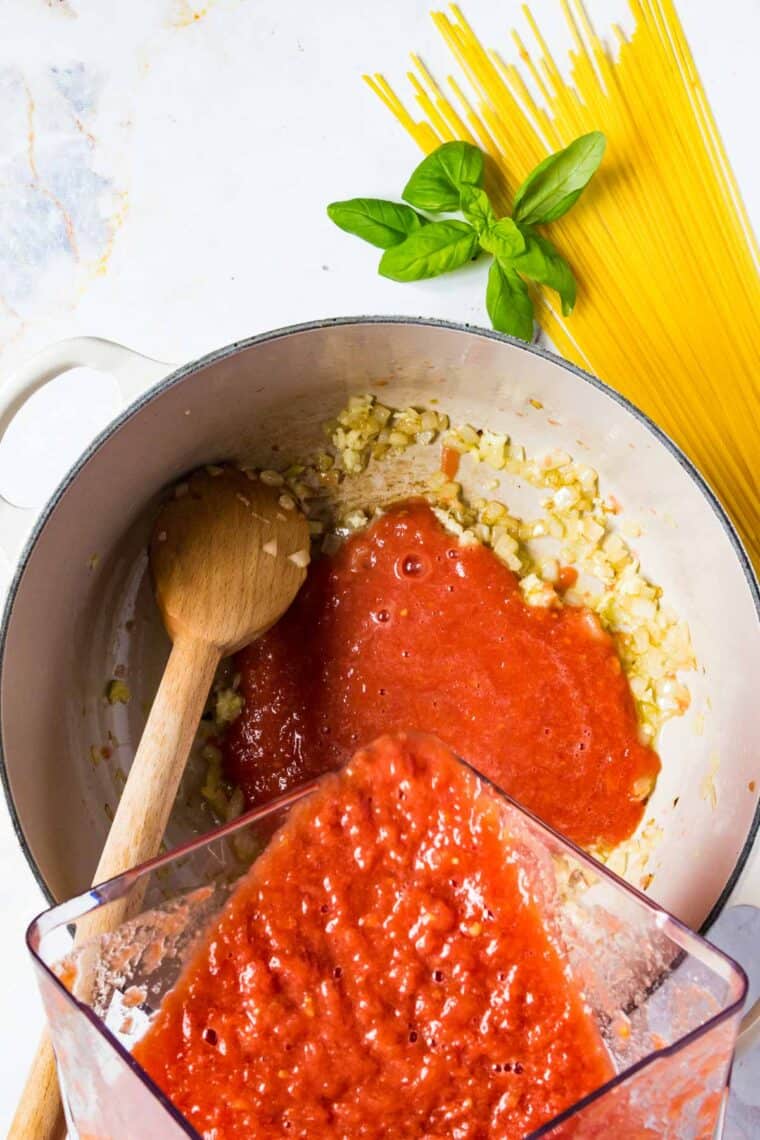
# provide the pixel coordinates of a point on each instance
(133, 372)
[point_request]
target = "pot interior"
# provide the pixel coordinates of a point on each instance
(83, 611)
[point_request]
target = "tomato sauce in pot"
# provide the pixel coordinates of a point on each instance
(404, 629)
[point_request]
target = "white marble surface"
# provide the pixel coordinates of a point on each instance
(165, 166)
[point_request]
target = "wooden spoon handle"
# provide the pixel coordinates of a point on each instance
(146, 802)
(39, 1115)
(136, 833)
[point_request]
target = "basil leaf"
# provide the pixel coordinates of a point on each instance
(477, 208)
(558, 182)
(543, 263)
(503, 239)
(436, 248)
(437, 182)
(508, 302)
(381, 223)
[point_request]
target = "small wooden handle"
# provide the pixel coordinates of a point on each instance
(39, 1115)
(136, 833)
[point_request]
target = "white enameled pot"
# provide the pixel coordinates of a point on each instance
(79, 602)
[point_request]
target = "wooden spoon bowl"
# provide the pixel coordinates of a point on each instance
(228, 554)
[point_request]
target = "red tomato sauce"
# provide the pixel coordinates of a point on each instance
(387, 968)
(403, 629)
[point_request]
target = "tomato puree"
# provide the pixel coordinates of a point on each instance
(405, 629)
(387, 968)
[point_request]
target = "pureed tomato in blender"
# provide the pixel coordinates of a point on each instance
(388, 967)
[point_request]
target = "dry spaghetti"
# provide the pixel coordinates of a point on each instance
(669, 292)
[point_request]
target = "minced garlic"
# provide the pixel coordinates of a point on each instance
(228, 706)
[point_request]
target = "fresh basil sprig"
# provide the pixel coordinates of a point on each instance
(477, 209)
(436, 249)
(436, 184)
(379, 222)
(450, 180)
(504, 239)
(558, 182)
(508, 301)
(541, 262)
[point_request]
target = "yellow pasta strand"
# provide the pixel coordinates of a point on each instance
(668, 288)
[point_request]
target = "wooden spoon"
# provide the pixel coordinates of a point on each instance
(227, 559)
